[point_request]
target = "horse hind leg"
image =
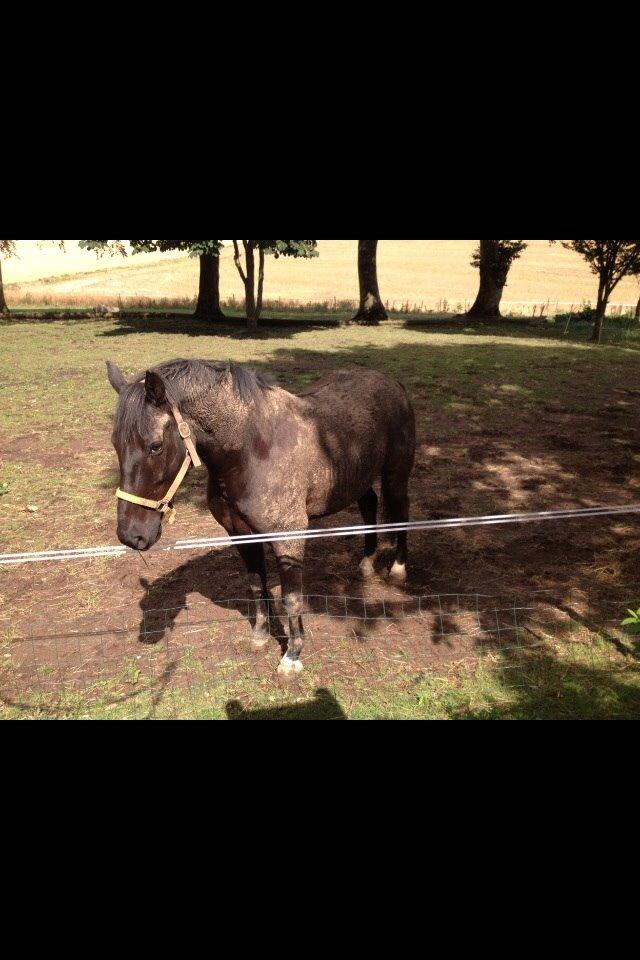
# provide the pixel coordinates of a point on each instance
(396, 507)
(369, 510)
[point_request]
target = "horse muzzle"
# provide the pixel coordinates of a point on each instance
(138, 539)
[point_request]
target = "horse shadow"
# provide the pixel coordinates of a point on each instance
(324, 706)
(166, 600)
(166, 605)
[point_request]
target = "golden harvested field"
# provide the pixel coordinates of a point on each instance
(423, 273)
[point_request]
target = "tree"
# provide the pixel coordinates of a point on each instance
(494, 259)
(372, 310)
(208, 251)
(611, 261)
(7, 249)
(254, 282)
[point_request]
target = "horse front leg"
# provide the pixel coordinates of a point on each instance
(290, 558)
(369, 510)
(254, 559)
(255, 562)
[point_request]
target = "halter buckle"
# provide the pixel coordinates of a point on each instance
(185, 430)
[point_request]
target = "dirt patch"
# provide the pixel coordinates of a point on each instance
(49, 451)
(115, 628)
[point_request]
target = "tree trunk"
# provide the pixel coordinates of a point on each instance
(249, 279)
(208, 307)
(489, 299)
(372, 310)
(250, 286)
(260, 286)
(638, 312)
(601, 311)
(3, 303)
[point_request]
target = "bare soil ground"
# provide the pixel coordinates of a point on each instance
(504, 426)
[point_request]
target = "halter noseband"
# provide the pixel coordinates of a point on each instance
(165, 506)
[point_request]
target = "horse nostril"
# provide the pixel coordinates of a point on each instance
(132, 541)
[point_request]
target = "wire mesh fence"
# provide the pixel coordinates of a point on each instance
(195, 660)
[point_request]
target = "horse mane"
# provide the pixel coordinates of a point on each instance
(187, 380)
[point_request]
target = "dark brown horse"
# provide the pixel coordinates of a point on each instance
(275, 462)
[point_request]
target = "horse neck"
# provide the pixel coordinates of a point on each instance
(225, 424)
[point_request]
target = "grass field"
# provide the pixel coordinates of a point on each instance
(508, 420)
(426, 274)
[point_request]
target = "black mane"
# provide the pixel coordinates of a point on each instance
(185, 380)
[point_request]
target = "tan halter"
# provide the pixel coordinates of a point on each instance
(165, 506)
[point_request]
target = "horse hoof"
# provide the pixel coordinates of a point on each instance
(289, 668)
(398, 573)
(367, 569)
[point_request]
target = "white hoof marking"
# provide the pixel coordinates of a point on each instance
(289, 667)
(398, 572)
(367, 569)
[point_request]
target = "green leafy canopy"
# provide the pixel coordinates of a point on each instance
(498, 255)
(7, 248)
(196, 248)
(610, 259)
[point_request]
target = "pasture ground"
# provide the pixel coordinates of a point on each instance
(520, 622)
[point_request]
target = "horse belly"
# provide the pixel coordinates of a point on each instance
(338, 486)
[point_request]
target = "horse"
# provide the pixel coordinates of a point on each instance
(276, 461)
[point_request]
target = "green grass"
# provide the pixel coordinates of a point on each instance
(53, 389)
(559, 681)
(55, 400)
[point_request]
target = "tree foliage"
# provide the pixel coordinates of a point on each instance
(253, 280)
(7, 248)
(612, 259)
(208, 305)
(195, 248)
(499, 257)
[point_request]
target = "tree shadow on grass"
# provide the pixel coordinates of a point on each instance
(324, 706)
(230, 329)
(46, 318)
(626, 335)
(535, 684)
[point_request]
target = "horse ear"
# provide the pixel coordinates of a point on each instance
(116, 377)
(156, 390)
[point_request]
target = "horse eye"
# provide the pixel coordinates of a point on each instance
(156, 448)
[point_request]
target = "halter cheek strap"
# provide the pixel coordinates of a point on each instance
(165, 506)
